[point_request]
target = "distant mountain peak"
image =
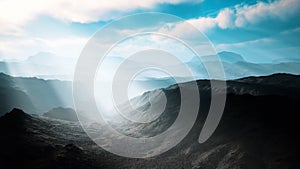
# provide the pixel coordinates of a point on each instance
(41, 54)
(230, 57)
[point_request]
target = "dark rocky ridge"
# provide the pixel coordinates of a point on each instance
(258, 131)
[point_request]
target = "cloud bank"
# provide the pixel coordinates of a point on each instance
(15, 13)
(241, 16)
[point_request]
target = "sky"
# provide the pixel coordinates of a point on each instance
(260, 31)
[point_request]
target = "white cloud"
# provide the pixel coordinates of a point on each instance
(225, 18)
(204, 23)
(281, 9)
(224, 47)
(243, 15)
(15, 13)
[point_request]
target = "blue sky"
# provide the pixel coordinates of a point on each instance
(261, 31)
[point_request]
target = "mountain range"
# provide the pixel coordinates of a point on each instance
(50, 66)
(234, 66)
(33, 95)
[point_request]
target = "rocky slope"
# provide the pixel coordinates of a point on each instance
(258, 131)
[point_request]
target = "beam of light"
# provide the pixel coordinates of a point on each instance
(44, 94)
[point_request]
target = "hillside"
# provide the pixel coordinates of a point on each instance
(258, 130)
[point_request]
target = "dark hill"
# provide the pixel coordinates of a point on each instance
(258, 130)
